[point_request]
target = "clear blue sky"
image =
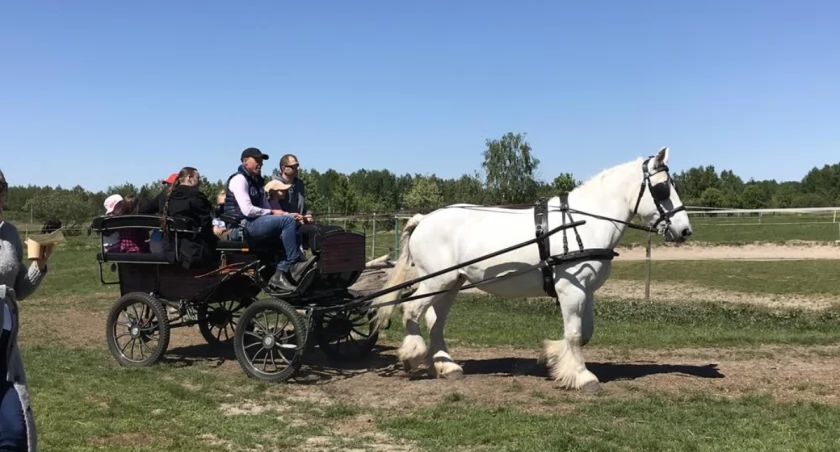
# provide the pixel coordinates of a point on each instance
(97, 93)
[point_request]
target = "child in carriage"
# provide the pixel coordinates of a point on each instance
(132, 240)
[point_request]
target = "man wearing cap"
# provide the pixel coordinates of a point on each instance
(246, 201)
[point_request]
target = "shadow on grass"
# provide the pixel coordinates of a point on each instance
(317, 367)
(606, 372)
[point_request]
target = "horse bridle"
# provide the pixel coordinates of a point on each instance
(659, 192)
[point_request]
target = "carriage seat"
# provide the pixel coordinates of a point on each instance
(105, 225)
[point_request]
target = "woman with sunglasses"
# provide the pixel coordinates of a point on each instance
(17, 281)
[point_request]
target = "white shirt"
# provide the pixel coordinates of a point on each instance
(239, 187)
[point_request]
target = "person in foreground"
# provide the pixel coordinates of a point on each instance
(17, 281)
(247, 202)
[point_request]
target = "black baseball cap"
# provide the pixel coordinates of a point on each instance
(255, 153)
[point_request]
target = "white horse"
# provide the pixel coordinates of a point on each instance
(464, 232)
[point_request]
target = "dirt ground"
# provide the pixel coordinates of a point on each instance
(502, 376)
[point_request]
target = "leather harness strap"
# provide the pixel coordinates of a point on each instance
(544, 245)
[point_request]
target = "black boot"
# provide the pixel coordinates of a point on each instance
(280, 283)
(298, 268)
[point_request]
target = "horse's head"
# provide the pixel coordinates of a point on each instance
(658, 203)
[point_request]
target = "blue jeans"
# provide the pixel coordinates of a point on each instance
(274, 226)
(12, 423)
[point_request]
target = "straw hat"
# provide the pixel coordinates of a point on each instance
(276, 185)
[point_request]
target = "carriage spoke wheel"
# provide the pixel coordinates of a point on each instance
(137, 330)
(217, 321)
(347, 335)
(269, 340)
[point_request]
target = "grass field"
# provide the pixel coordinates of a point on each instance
(738, 230)
(677, 375)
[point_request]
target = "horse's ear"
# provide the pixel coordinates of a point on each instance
(662, 156)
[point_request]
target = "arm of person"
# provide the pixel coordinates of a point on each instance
(27, 282)
(304, 209)
(204, 211)
(239, 187)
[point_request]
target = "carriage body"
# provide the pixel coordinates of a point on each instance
(215, 296)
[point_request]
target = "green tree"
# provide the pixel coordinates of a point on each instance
(345, 199)
(564, 183)
(756, 196)
(510, 166)
(71, 207)
(695, 181)
(712, 197)
(423, 196)
(314, 200)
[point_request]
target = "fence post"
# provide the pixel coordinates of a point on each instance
(396, 237)
(647, 270)
(373, 242)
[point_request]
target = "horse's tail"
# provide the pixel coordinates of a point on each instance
(398, 276)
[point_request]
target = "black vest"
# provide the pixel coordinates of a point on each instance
(255, 192)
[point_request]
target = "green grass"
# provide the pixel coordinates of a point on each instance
(81, 398)
(84, 401)
(768, 277)
(647, 422)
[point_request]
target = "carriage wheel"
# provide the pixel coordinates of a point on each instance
(269, 340)
(217, 321)
(137, 330)
(347, 335)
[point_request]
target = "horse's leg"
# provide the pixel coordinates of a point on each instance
(436, 316)
(588, 320)
(412, 351)
(564, 358)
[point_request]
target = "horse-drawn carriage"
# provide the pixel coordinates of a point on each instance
(451, 248)
(269, 335)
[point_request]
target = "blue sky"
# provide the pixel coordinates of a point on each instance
(98, 93)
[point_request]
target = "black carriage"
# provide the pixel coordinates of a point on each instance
(270, 335)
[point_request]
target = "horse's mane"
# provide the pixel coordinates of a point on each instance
(597, 181)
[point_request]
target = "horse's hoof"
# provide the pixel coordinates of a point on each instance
(406, 364)
(454, 375)
(591, 387)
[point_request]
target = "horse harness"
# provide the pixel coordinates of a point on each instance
(544, 245)
(660, 192)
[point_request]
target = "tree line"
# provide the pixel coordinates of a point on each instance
(507, 176)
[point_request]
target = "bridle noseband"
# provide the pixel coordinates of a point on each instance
(659, 192)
